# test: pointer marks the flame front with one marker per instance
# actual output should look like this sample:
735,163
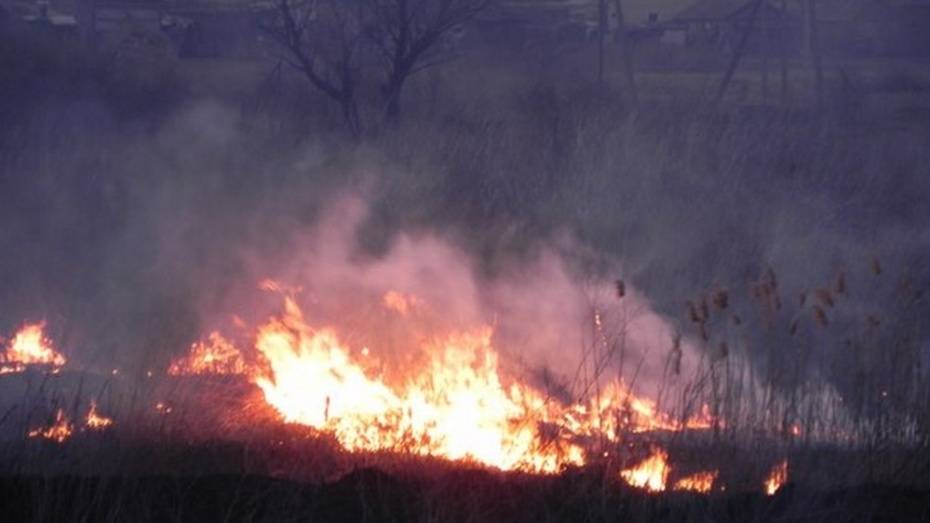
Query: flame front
699,482
456,406
58,432
30,347
651,474
776,478
450,400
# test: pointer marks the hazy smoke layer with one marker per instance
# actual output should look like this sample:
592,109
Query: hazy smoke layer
132,243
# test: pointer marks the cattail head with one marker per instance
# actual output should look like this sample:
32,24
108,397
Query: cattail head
693,312
840,284
793,328
621,288
675,356
820,316
802,299
825,297
770,278
721,299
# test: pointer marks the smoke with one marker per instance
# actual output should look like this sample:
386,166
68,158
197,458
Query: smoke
134,242
547,317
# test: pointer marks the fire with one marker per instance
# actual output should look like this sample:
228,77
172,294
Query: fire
452,400
96,421
699,482
456,406
651,474
58,432
399,302
776,478
216,355
30,347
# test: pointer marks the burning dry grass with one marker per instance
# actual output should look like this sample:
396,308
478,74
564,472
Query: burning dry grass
28,347
301,387
457,403
651,474
58,431
701,482
776,479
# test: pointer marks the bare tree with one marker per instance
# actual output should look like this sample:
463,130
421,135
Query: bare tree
339,45
406,34
322,40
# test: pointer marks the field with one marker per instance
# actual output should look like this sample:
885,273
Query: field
754,266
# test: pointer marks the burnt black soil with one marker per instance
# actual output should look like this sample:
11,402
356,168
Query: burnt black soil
371,495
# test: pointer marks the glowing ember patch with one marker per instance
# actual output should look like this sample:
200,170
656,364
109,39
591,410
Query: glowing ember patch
11,368
30,347
700,482
96,421
163,408
216,356
58,432
776,478
651,474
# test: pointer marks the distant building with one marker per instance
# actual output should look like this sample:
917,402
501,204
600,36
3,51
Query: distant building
721,23
874,27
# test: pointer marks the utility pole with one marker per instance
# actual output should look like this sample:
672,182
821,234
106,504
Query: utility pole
813,46
602,23
627,51
87,23
738,53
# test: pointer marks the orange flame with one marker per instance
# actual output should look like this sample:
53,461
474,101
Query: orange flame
456,407
58,432
453,402
776,478
30,347
214,356
699,482
399,302
96,421
651,474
